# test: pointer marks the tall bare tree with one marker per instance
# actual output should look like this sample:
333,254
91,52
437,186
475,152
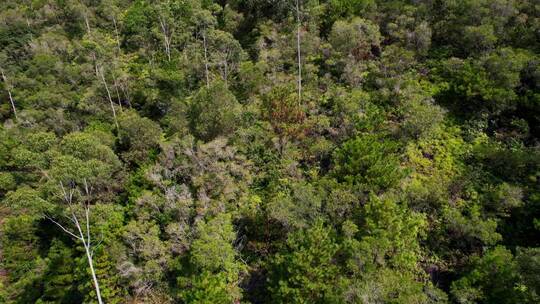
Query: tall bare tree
81,223
118,84
204,26
115,82
116,34
104,81
205,58
7,85
92,53
167,36
298,50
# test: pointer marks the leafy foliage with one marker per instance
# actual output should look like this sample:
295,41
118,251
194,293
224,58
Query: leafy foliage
269,151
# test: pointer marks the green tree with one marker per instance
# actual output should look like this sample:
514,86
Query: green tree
494,278
214,263
213,112
20,257
368,161
285,114
305,270
138,138
59,279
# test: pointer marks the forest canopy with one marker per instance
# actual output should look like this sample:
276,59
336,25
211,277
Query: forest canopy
270,151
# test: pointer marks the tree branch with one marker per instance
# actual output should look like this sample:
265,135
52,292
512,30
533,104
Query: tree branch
63,228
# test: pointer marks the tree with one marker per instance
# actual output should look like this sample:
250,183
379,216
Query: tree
269,151
100,72
59,279
205,22
138,138
494,277
369,162
528,263
20,254
382,254
202,180
8,89
225,53
358,38
214,264
390,235
304,270
213,111
110,280
298,50
284,113
82,224
356,43
296,208
147,260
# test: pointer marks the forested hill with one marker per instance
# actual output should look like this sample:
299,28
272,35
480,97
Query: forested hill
270,151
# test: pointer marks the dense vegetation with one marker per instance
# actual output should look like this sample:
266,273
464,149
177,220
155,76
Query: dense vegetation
270,151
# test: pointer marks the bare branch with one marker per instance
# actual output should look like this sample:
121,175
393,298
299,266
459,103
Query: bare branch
98,244
9,94
63,228
69,218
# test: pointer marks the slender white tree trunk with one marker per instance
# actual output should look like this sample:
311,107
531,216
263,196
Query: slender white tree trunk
110,98
84,238
226,71
29,28
87,248
87,23
94,278
92,270
125,91
88,30
116,83
205,59
117,92
116,32
12,105
166,38
298,51
9,94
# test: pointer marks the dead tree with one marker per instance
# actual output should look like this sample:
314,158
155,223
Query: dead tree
109,95
116,33
205,58
9,93
81,224
117,92
92,54
167,36
298,51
